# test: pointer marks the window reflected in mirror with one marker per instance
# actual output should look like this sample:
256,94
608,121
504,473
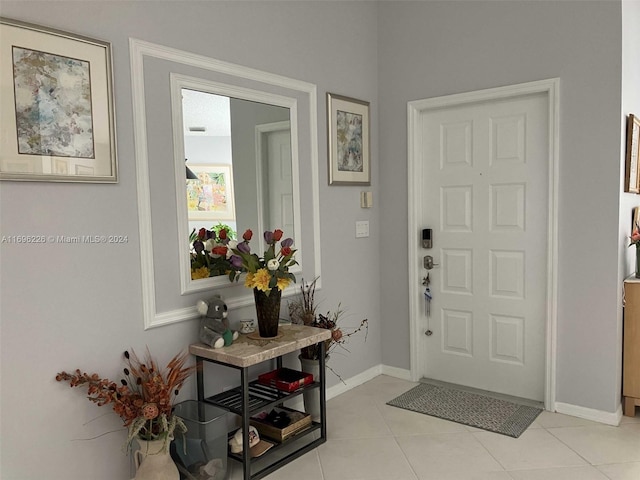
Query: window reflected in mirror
239,152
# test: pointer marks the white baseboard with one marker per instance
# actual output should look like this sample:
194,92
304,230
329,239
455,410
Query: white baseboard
341,387
353,382
600,416
356,380
608,418
396,372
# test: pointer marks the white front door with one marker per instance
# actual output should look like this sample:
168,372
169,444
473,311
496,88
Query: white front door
485,194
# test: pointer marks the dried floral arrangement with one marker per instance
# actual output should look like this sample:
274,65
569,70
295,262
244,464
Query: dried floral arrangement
144,397
303,310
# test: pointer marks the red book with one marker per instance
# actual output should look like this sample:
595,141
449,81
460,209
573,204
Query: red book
285,379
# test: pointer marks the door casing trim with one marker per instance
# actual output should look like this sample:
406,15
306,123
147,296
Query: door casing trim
549,87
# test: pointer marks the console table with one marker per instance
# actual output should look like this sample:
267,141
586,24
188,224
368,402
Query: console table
251,397
631,347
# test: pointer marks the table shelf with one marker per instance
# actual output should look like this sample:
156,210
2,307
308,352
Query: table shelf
315,426
252,397
261,397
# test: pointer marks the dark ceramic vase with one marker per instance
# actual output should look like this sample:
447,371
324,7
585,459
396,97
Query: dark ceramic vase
268,311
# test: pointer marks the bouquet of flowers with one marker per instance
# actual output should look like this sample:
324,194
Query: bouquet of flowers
211,252
266,272
143,399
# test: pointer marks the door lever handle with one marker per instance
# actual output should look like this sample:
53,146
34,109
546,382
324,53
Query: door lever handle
428,262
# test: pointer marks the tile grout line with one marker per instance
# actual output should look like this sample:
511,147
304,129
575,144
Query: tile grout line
404,454
548,430
504,468
316,450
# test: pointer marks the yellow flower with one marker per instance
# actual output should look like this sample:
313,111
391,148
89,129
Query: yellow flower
261,280
248,281
197,273
283,283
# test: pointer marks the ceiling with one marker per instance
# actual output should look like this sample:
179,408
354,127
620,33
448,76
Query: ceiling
205,110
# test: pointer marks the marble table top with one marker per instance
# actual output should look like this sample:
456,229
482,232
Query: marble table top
245,352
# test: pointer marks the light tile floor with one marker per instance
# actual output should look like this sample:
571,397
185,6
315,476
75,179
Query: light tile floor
368,439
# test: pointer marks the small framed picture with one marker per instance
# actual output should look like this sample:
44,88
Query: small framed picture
632,173
348,141
210,196
56,107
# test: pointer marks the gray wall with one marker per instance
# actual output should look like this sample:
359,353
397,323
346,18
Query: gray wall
79,306
630,104
68,306
429,49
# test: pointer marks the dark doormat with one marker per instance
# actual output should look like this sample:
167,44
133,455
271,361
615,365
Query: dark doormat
473,409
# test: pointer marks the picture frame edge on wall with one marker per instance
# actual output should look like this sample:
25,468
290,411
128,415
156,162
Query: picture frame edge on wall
632,168
348,165
96,161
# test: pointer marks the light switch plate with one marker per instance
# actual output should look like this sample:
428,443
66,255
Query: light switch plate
362,229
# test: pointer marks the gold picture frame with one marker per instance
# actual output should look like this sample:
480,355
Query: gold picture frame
348,141
57,106
632,172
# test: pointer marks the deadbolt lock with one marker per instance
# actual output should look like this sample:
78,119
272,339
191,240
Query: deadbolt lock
428,262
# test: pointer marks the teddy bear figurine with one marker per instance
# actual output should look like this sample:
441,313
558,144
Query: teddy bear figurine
214,326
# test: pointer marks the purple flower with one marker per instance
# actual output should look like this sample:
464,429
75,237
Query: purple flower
244,247
287,242
236,261
198,246
268,237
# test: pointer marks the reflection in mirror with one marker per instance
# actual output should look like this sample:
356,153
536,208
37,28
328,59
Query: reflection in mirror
240,152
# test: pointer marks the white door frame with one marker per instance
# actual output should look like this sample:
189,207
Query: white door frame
415,109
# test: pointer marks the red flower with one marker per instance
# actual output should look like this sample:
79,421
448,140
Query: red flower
286,251
219,250
247,235
277,235
222,234
202,232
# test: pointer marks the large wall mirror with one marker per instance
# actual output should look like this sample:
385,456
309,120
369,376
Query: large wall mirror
248,139
240,164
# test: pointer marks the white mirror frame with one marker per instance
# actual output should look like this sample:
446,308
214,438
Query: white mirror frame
138,49
179,82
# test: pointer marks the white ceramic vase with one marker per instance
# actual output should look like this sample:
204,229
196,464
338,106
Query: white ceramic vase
153,461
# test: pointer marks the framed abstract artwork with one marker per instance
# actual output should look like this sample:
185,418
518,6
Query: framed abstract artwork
210,196
56,106
348,135
632,172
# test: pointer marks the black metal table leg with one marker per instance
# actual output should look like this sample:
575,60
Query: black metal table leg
246,453
323,393
200,378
